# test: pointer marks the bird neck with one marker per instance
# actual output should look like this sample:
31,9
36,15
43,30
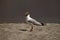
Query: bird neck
28,16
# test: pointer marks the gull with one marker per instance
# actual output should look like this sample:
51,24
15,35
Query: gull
31,20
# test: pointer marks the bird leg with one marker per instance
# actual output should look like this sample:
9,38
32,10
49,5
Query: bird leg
30,24
31,29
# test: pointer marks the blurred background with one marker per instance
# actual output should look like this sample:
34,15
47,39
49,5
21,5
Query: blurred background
41,10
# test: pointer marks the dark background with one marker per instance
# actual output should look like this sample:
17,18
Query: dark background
42,10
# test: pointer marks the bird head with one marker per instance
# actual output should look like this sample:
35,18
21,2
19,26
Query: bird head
27,13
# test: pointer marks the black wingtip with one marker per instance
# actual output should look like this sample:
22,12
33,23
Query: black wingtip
42,24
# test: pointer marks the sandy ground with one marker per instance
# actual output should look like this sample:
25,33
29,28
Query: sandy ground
13,31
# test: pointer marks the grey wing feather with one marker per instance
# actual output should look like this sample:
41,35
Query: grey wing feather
35,22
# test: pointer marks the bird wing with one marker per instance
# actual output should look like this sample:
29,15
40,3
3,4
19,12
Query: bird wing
34,21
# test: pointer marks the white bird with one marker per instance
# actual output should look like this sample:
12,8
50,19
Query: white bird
31,20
